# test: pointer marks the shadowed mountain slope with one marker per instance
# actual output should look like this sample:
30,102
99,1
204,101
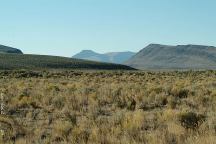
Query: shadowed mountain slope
17,61
6,49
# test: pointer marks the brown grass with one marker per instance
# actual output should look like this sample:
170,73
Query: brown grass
109,107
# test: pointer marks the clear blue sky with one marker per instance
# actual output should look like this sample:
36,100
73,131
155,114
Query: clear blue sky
65,27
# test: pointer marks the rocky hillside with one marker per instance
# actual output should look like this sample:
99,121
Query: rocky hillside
156,56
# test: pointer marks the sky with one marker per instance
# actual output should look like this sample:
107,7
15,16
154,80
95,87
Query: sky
65,27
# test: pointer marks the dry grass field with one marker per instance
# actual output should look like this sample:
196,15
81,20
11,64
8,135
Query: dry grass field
108,107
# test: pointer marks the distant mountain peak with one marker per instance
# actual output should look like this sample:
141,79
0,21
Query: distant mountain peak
154,44
111,57
88,51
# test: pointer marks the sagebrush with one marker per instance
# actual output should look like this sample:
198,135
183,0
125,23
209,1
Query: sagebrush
109,107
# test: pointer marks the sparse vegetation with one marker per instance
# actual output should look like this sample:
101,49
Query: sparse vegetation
109,107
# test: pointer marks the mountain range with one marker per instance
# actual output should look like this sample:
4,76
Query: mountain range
152,57
112,57
12,58
6,49
156,56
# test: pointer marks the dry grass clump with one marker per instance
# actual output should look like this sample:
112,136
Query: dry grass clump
191,120
108,107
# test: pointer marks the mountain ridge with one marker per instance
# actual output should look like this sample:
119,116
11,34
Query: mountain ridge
157,56
111,57
6,49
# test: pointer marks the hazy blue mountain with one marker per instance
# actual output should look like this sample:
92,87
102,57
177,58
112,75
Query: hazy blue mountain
112,57
156,56
6,49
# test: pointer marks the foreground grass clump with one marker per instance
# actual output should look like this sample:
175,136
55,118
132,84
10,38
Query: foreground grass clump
108,107
191,120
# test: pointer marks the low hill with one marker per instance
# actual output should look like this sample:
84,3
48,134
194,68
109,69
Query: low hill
156,56
6,49
17,61
112,57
